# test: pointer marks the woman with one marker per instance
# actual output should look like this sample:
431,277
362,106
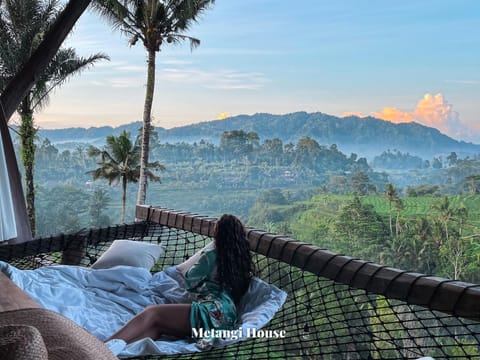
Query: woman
219,278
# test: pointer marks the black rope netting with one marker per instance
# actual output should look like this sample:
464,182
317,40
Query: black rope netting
323,318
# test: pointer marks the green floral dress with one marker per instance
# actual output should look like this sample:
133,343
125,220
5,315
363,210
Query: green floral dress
213,307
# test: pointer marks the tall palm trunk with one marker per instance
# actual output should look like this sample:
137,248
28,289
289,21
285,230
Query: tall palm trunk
390,216
124,197
397,223
147,117
27,135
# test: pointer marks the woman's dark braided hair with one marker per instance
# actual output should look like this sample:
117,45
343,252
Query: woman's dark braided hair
234,261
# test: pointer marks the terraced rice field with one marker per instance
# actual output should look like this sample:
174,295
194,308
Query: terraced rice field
412,205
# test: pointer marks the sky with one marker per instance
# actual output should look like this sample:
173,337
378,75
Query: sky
401,61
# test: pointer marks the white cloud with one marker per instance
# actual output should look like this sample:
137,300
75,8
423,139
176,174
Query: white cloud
132,68
110,64
120,82
220,79
354,113
98,83
433,111
234,51
175,62
87,44
215,80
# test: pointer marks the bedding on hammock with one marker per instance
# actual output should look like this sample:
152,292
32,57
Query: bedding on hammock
103,300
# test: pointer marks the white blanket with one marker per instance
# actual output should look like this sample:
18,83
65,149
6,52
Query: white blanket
102,301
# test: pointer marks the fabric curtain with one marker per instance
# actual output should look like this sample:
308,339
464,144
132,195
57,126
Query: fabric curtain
14,224
8,227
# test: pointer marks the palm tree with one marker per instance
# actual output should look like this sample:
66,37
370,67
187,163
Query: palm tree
391,195
154,22
99,201
24,25
399,207
472,182
120,162
422,245
446,213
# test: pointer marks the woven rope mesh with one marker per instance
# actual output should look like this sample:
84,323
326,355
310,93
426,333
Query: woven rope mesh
322,319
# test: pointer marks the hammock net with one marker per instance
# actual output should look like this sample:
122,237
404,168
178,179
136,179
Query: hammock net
337,307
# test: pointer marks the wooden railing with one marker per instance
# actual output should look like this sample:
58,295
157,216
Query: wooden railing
448,296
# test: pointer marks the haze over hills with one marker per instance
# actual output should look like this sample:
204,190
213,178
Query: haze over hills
364,136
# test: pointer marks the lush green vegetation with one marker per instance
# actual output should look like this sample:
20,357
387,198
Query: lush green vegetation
429,234
306,190
398,160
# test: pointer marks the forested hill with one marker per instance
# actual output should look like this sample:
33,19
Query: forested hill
364,136
87,135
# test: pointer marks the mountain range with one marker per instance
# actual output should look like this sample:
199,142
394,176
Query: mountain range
364,136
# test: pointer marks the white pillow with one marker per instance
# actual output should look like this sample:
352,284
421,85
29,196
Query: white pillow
131,253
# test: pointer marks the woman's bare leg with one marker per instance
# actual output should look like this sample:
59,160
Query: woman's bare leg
155,321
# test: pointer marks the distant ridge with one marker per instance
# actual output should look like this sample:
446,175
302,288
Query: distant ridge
365,136
87,135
